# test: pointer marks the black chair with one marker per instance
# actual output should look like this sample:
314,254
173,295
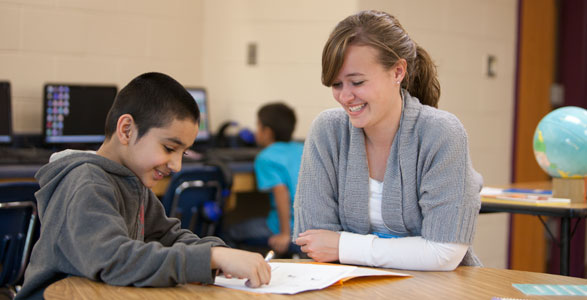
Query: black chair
196,195
19,230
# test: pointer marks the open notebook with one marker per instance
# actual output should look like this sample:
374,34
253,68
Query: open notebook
293,278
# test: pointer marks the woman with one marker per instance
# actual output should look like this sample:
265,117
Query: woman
386,181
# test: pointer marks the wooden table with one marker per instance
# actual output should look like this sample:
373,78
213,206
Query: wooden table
463,283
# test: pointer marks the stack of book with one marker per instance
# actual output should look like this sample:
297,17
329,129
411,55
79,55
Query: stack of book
522,197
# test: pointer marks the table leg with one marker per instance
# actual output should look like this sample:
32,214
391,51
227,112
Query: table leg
565,249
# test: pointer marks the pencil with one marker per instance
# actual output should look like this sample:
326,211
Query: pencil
269,255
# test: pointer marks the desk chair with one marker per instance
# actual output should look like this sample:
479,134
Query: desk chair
195,196
19,229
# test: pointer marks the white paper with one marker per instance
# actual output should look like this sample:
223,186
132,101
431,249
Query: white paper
292,278
491,191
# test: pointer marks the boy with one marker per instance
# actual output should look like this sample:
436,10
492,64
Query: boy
276,170
99,218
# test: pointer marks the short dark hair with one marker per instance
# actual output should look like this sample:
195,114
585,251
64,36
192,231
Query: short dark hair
280,118
153,100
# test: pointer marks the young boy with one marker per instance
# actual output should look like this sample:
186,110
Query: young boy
276,170
99,218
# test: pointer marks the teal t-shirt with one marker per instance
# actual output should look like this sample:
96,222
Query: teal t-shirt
277,164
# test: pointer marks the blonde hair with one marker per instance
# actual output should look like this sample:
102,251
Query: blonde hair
383,32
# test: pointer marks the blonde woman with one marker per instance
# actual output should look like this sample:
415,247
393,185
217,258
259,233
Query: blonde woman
386,180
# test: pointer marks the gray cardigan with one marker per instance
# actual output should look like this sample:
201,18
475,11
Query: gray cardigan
430,188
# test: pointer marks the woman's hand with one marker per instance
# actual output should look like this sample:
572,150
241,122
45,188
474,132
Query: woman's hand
320,245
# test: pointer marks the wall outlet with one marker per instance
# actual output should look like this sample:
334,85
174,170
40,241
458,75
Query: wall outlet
490,66
252,54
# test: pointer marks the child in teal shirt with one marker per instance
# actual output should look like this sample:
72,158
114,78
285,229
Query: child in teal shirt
276,170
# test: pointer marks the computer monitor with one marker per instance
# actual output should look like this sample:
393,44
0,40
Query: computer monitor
75,114
199,94
5,113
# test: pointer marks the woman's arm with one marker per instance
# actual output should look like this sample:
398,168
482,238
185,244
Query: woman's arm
316,203
412,253
448,193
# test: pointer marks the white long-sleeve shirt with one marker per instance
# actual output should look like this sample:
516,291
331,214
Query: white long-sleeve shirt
413,253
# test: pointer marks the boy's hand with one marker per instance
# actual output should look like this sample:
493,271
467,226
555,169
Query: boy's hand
320,245
241,264
280,242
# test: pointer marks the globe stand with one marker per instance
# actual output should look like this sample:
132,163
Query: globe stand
571,188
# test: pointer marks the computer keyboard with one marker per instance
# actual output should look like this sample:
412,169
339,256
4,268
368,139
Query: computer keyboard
24,156
233,154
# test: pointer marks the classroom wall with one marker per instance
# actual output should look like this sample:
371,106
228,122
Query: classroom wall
95,42
289,36
205,42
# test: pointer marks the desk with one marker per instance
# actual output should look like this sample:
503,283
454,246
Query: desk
566,213
463,283
12,172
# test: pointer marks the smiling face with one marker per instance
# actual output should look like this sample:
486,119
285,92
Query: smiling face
159,152
366,91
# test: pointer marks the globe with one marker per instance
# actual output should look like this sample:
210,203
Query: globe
560,142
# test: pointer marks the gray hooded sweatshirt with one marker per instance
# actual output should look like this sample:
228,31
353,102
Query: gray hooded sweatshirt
100,222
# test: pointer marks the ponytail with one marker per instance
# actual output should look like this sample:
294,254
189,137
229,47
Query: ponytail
422,79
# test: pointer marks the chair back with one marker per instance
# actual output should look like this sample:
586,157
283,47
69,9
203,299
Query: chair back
196,195
19,229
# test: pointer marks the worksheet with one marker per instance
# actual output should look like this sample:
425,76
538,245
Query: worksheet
292,278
